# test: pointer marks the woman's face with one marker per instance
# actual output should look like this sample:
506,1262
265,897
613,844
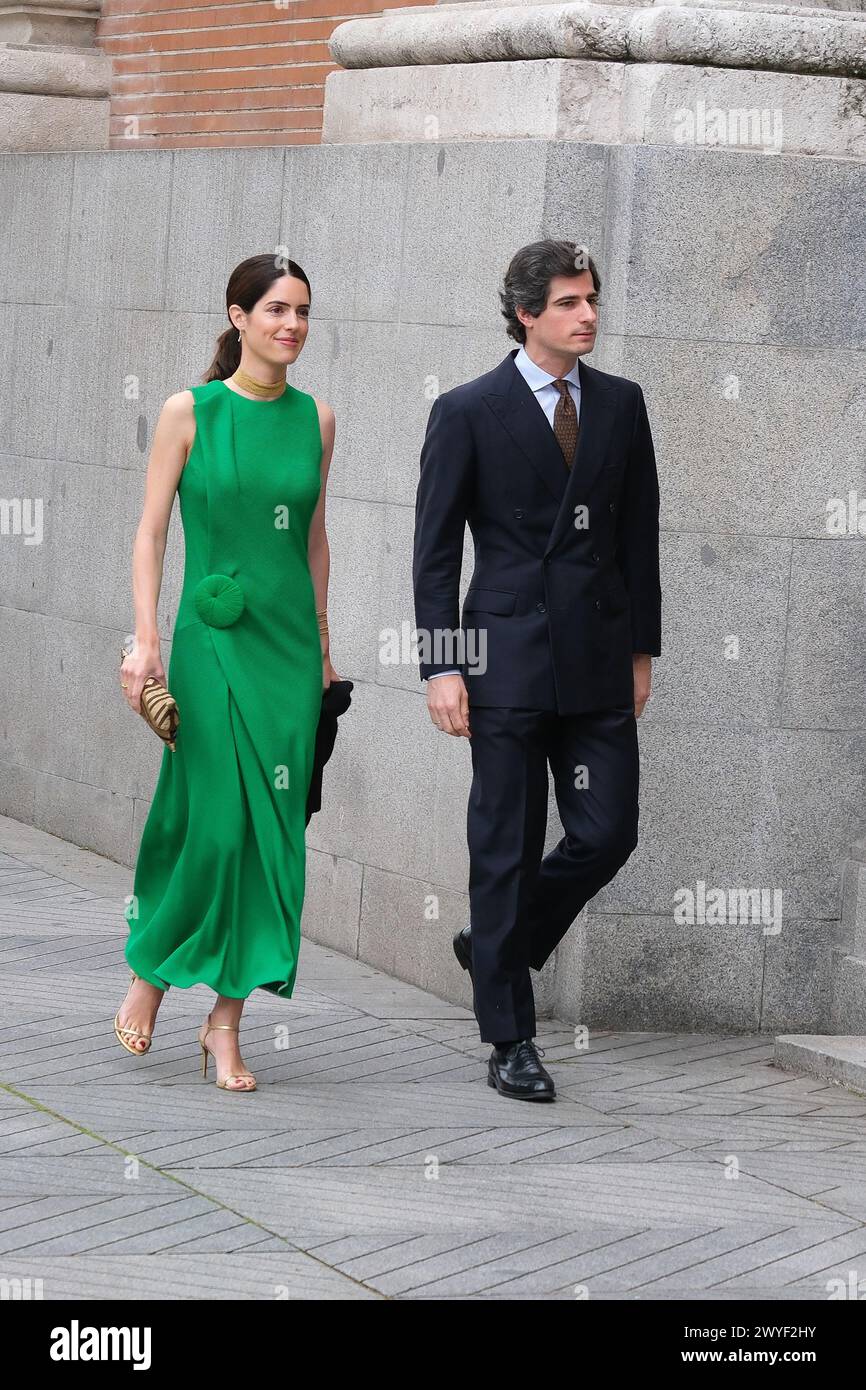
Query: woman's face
277,326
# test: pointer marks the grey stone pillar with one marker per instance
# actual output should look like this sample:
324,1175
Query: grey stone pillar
641,129
54,83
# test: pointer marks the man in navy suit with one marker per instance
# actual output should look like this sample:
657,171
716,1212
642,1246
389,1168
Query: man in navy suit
551,464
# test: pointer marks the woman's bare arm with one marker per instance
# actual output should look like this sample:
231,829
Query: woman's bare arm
318,552
172,441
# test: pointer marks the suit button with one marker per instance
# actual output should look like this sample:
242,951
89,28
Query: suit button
613,506
519,515
598,603
595,557
541,608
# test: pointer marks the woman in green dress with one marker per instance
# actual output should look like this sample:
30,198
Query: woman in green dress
219,878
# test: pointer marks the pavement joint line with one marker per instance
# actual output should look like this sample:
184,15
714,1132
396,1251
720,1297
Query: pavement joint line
12,1090
801,1250
521,1250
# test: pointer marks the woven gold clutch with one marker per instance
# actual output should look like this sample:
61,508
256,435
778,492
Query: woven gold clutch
158,708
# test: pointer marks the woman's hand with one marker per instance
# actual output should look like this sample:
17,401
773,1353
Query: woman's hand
328,673
134,670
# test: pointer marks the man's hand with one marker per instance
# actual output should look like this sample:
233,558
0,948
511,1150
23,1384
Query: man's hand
448,703
642,665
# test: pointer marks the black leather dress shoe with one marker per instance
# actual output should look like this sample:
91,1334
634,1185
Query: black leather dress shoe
517,1071
463,949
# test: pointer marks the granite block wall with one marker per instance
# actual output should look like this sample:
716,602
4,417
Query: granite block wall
732,290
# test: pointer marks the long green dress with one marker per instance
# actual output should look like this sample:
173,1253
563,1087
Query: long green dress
219,879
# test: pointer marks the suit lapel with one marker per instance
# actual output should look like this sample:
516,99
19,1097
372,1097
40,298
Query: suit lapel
515,406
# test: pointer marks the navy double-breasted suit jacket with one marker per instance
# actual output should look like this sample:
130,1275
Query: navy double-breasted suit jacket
566,579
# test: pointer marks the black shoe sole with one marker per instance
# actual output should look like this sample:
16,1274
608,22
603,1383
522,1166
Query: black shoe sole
521,1095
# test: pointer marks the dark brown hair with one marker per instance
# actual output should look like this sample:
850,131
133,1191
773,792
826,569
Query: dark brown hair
527,279
248,283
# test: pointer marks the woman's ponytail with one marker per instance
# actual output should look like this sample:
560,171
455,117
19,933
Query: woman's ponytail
227,356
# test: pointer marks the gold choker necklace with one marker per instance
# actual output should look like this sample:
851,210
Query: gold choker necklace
266,390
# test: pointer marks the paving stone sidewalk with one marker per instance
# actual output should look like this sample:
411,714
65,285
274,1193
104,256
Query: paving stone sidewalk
374,1161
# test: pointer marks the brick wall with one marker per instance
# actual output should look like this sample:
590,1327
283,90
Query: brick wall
188,74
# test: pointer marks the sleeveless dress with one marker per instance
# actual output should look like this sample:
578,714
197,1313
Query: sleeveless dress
219,877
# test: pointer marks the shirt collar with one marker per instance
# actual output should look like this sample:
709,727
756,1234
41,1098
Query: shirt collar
536,376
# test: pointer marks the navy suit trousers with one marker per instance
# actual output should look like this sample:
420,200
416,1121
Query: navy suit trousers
522,904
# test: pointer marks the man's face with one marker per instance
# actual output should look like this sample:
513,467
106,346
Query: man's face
569,321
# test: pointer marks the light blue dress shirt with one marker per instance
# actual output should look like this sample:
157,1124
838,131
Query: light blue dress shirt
541,385
541,382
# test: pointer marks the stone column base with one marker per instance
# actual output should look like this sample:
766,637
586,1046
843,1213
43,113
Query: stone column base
599,103
841,1060
53,98
29,123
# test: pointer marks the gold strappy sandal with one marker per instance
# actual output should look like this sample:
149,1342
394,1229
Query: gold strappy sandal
132,1032
235,1076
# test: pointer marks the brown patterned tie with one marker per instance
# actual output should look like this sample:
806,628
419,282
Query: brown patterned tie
565,421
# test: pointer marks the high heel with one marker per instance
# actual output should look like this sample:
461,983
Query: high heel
234,1076
136,1051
